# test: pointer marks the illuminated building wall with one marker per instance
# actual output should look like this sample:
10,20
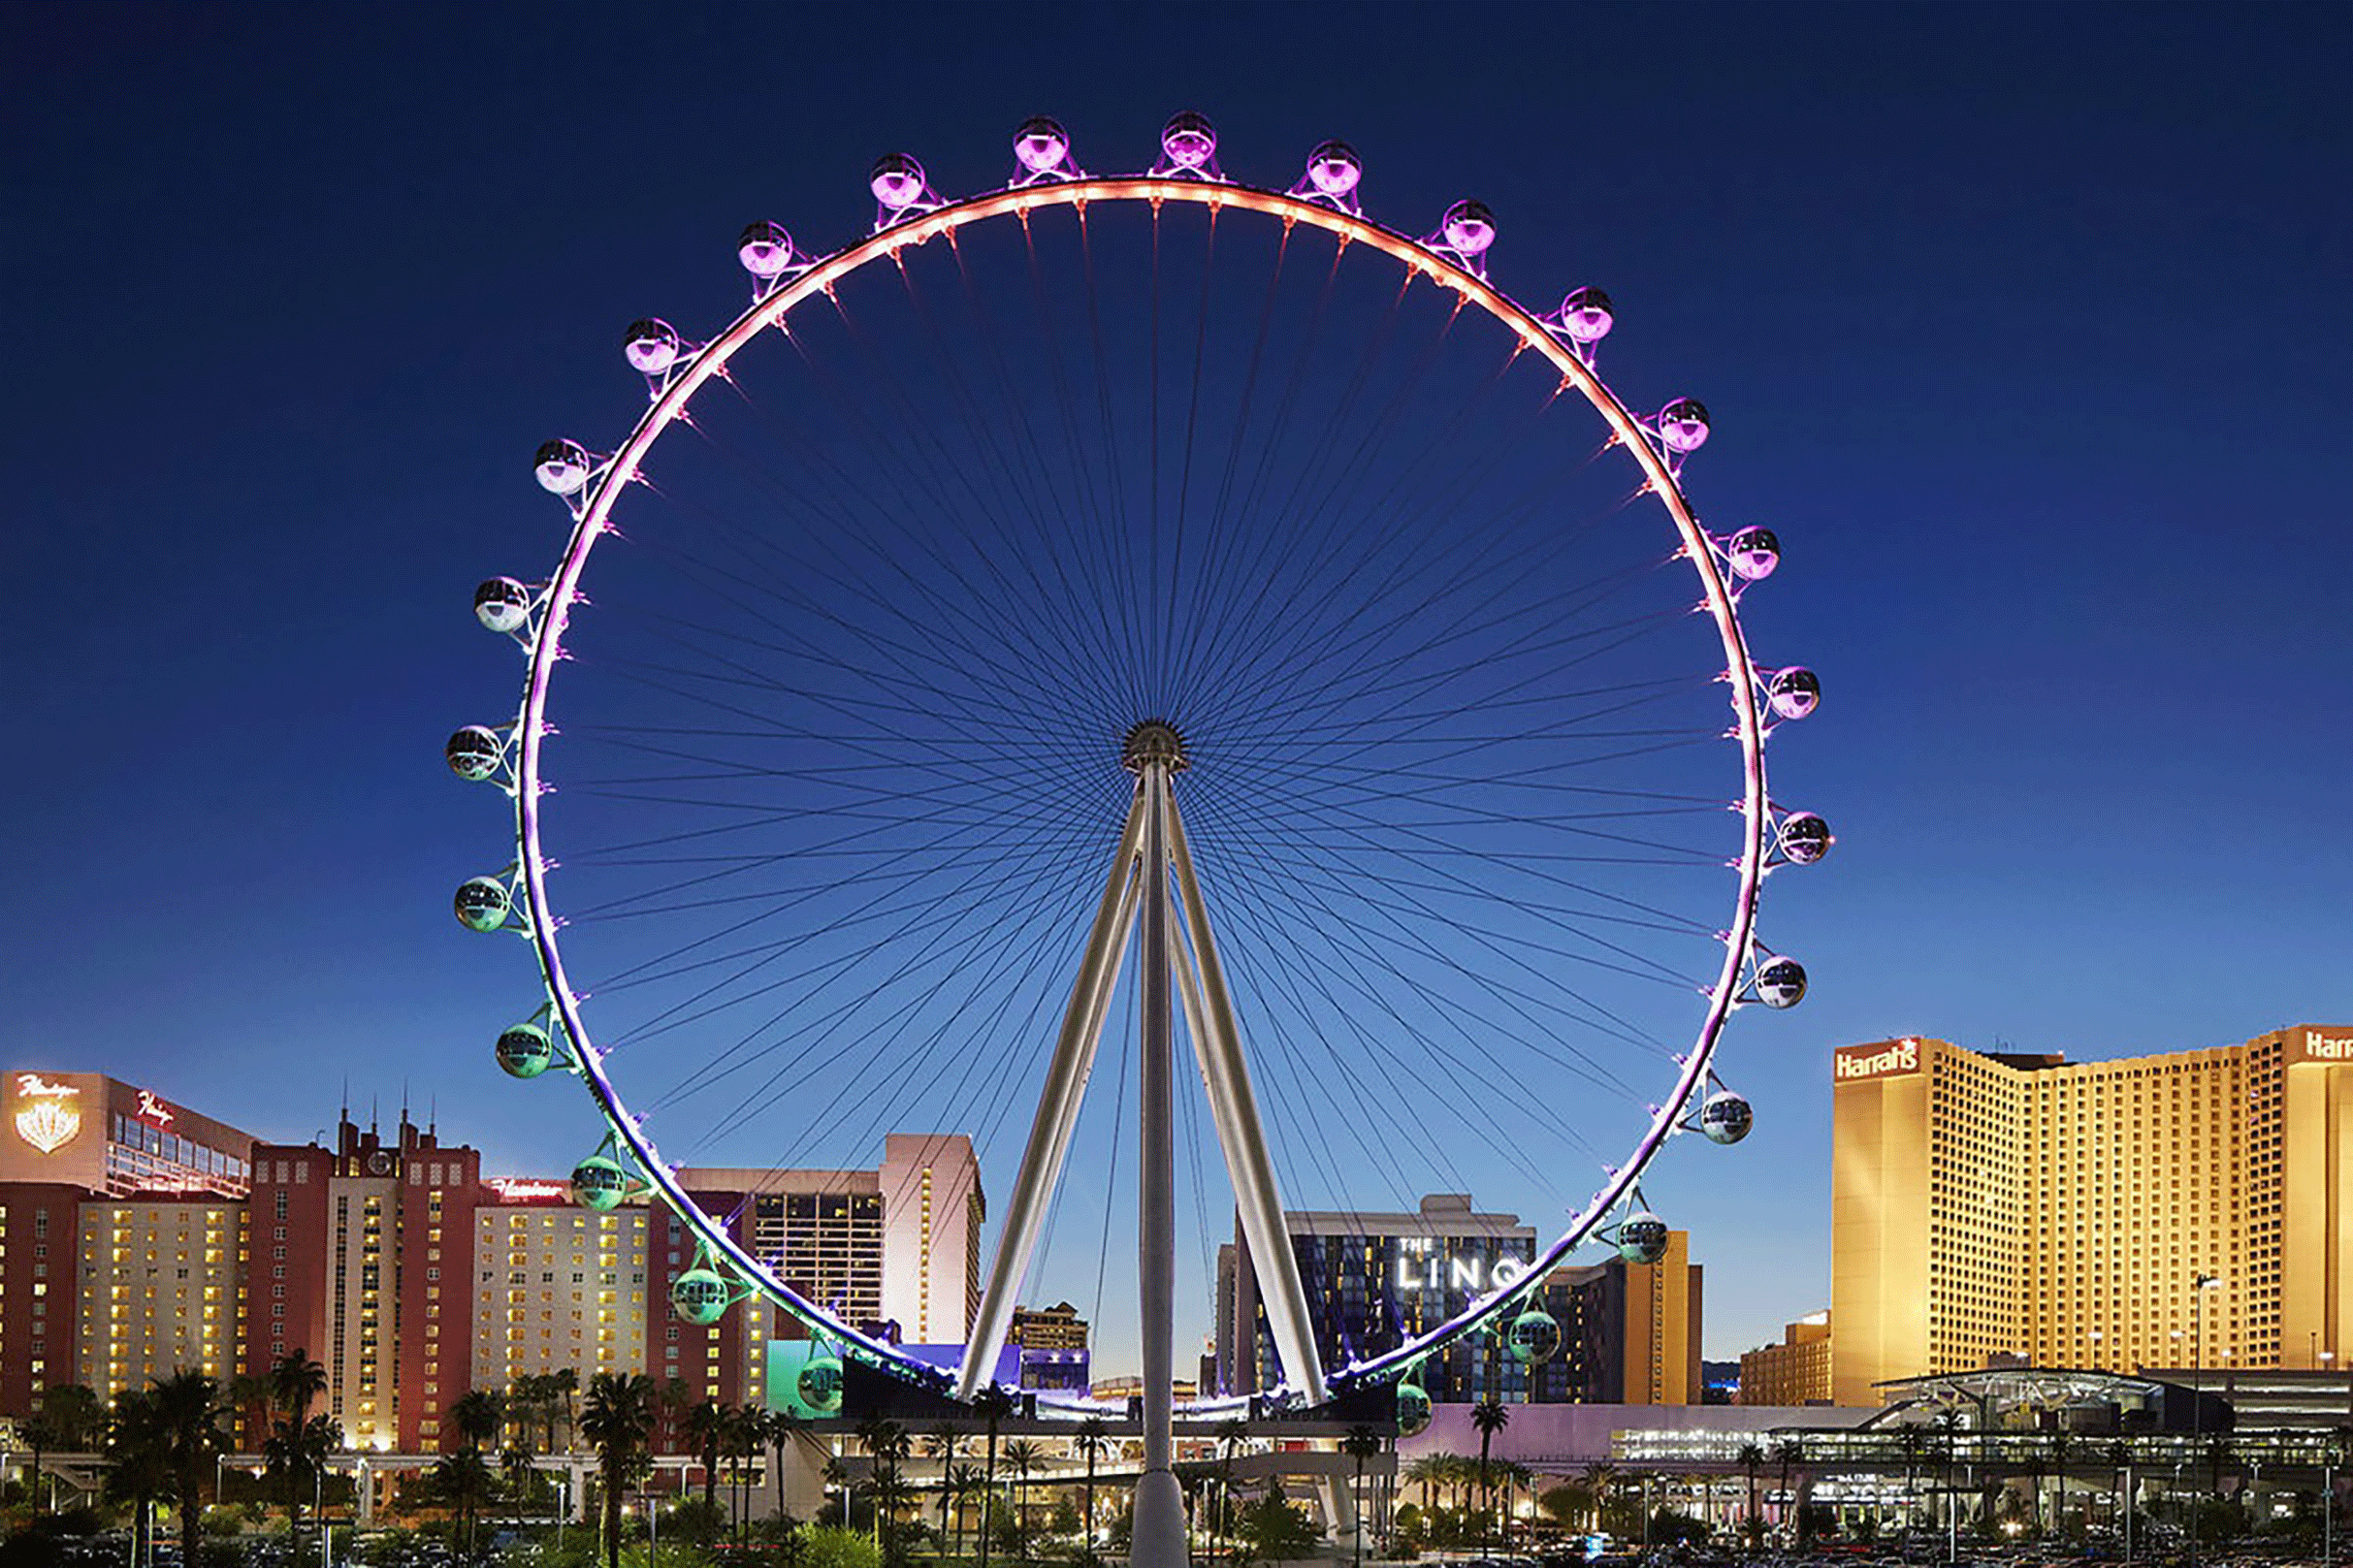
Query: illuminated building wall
162,1281
557,1286
40,1228
933,1209
1991,1204
97,1133
1629,1333
1796,1371
286,1217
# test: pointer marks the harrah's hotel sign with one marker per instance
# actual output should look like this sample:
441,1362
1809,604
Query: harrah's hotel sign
1876,1061
2327,1046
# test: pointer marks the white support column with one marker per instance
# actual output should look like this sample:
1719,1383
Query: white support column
1157,1532
1234,1106
1049,1133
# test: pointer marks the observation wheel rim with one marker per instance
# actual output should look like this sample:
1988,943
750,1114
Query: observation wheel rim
1417,258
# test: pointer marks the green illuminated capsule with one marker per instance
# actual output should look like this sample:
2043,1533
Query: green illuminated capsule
1412,1410
483,904
600,1183
525,1051
702,1295
1532,1339
820,1384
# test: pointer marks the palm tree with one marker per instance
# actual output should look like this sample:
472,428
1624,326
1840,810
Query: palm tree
780,1426
1788,1453
1489,1416
1231,1436
2119,1457
1094,1440
476,1415
294,1380
1752,1460
1600,1480
1911,1442
463,1479
69,1419
296,1454
617,1420
706,1433
747,1436
183,1421
515,1463
958,1485
994,1405
2059,1445
1025,1457
139,1464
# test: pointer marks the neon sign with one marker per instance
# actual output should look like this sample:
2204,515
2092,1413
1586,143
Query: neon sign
1419,1270
521,1190
48,1119
150,1106
2320,1047
1902,1056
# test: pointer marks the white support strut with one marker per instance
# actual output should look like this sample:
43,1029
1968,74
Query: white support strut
1058,1118
1234,1106
1157,1536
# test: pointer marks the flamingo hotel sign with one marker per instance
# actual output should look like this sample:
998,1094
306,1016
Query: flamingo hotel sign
47,1115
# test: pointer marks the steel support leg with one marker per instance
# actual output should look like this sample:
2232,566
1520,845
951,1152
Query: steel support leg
1234,1106
1049,1133
1157,1533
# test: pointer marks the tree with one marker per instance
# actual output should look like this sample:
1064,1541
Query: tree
1911,1442
1025,1457
959,1483
188,1412
296,1452
1789,1453
1752,1460
617,1418
1232,1433
294,1381
1361,1443
1489,1416
69,1419
1093,1442
780,1427
994,1405
139,1464
462,1480
475,1415
705,1431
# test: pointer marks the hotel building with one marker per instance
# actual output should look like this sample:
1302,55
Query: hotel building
2187,1209
1794,1372
1628,1333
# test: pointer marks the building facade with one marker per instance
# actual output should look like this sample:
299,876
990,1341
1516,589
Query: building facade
1796,1371
2191,1208
101,1134
1628,1333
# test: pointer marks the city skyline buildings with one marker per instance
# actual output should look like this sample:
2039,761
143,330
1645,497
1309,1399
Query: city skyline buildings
1892,376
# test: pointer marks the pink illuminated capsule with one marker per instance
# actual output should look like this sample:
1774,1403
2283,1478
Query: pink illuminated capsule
1754,554
1805,838
764,250
1585,316
1333,169
650,345
1039,145
1683,425
1188,140
561,467
1793,692
897,182
1467,227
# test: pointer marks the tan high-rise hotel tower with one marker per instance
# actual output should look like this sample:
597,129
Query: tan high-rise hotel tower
1989,1205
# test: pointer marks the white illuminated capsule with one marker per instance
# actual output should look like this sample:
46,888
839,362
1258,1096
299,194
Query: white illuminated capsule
502,604
1039,145
1587,315
1780,982
1188,140
1725,1117
525,1051
650,345
483,904
1754,554
897,182
1805,838
1467,227
764,250
474,752
1333,168
1793,692
1532,1339
1683,425
562,466
1642,1237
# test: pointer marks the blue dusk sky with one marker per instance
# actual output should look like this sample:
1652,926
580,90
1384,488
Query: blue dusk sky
2025,327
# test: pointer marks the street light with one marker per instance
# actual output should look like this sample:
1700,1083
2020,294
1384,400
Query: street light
2200,1284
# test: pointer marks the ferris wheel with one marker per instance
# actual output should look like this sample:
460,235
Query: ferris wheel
1110,608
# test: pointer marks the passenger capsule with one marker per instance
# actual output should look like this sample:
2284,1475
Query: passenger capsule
562,466
1754,554
764,250
1467,227
600,1183
1039,145
820,1384
1188,140
1793,692
1725,1117
897,182
702,1295
1805,838
1587,315
1333,168
483,904
1780,982
1683,425
474,752
1642,1237
650,345
525,1051
1412,1410
1533,1337
502,604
